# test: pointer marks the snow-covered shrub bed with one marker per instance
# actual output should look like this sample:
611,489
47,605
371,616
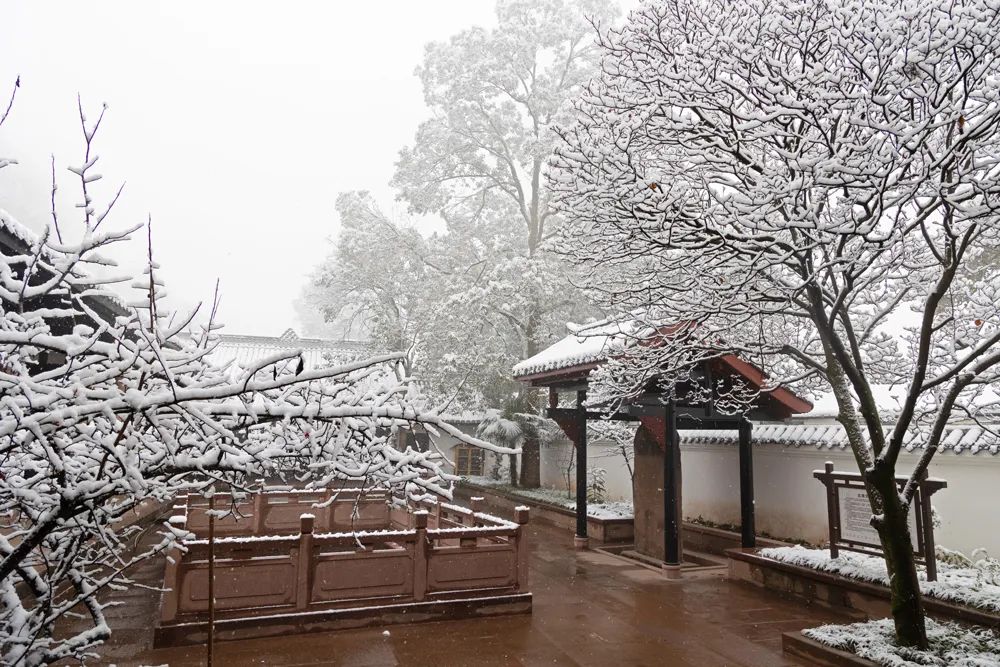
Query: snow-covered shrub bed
976,584
619,509
950,644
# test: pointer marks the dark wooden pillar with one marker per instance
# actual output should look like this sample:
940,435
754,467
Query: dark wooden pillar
748,533
581,541
671,490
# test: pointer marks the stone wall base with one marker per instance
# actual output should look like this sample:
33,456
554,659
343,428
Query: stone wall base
278,625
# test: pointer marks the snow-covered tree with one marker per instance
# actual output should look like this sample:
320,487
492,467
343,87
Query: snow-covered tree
621,438
814,186
377,276
105,405
515,425
405,291
478,164
479,160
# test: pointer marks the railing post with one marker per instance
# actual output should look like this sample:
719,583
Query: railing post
171,580
258,513
832,509
477,507
420,555
182,509
521,515
305,558
210,644
325,501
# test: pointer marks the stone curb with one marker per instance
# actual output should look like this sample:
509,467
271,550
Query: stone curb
797,644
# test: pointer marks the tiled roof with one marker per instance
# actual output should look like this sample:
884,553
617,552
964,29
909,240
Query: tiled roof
16,229
463,417
18,239
961,438
591,345
316,352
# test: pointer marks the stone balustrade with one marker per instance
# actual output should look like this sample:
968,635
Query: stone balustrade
349,551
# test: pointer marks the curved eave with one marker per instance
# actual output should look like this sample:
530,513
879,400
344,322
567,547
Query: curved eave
795,404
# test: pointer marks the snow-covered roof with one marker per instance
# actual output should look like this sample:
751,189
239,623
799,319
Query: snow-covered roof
590,346
244,350
16,229
18,238
463,417
960,438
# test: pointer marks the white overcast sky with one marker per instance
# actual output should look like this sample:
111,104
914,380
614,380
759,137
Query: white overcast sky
234,123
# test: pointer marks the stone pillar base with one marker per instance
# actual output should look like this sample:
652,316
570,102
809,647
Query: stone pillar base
671,571
581,543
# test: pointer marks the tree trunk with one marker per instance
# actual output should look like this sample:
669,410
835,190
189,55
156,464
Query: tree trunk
531,460
894,531
531,470
893,528
513,469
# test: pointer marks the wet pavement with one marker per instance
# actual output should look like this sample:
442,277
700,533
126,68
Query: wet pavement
590,608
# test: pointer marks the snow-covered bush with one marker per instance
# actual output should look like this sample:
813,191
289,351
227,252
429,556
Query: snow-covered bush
104,405
597,488
499,469
949,644
959,579
986,567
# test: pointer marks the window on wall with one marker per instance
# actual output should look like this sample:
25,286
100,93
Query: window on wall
469,461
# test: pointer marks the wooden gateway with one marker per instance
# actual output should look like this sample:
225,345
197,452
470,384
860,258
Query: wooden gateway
565,368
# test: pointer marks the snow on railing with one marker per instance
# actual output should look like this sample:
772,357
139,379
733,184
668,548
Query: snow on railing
418,554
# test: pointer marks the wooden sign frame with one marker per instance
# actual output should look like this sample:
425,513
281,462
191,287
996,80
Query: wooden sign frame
837,482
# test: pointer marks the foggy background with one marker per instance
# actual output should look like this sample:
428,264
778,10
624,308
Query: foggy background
235,124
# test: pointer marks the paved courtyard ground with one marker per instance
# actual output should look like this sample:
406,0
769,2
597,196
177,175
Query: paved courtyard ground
589,609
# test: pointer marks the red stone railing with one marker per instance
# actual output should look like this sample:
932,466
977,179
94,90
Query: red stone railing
424,551
277,512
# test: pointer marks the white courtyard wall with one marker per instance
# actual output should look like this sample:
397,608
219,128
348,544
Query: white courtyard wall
789,502
444,443
600,454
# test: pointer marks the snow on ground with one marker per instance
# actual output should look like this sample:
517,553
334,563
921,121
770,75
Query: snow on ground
950,644
615,509
976,586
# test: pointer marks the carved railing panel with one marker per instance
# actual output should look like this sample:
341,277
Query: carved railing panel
410,554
